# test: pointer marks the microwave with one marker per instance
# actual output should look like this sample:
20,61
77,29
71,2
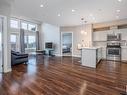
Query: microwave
113,37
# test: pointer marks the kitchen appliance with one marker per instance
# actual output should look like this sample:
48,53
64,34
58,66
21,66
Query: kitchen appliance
113,37
113,47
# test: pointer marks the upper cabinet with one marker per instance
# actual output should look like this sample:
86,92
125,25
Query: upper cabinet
101,35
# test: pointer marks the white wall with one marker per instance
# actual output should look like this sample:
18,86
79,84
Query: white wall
79,38
51,33
5,7
5,10
1,45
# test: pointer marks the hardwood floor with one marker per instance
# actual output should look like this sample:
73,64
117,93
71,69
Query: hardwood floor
64,76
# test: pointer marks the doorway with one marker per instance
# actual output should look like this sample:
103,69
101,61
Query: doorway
1,49
67,43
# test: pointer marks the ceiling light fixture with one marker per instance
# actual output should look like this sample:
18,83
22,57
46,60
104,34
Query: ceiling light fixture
41,5
120,0
73,10
82,27
91,15
117,11
59,15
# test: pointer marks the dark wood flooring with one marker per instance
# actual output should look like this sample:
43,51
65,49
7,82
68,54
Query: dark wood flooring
64,76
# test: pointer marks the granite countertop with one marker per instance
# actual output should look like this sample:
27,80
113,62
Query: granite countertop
123,46
91,47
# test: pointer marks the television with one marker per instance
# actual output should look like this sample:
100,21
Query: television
49,45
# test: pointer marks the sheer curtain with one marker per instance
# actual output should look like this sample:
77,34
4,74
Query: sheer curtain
22,42
37,41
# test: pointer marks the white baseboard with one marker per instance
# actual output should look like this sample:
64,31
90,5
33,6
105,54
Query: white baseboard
72,55
6,70
57,54
0,69
77,56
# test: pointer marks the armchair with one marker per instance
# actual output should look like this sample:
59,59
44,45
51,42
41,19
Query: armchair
17,58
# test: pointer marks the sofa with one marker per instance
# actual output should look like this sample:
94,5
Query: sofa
18,58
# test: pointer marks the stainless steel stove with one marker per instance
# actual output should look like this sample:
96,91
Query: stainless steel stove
113,47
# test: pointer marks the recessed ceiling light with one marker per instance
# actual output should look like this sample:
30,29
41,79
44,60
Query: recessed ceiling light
120,0
59,15
117,11
91,15
73,10
41,5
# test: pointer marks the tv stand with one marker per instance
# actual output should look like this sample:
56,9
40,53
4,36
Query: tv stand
51,53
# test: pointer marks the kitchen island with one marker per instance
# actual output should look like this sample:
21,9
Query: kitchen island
91,56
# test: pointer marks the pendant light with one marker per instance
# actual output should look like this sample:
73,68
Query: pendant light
83,27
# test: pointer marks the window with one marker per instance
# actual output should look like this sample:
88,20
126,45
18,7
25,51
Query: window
14,23
13,39
30,43
31,27
24,26
27,26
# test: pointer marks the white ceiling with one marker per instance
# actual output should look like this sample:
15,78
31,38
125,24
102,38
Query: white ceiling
102,10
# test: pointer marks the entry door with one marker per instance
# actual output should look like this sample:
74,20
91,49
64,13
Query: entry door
67,43
1,54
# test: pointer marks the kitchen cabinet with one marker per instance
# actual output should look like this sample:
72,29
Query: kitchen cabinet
103,52
124,53
91,56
